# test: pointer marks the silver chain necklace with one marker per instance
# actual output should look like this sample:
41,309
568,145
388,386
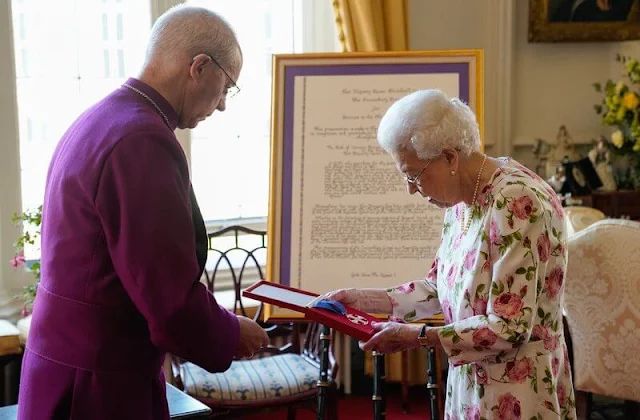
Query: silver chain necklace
145,96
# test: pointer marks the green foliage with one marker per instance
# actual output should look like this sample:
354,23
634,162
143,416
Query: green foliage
30,222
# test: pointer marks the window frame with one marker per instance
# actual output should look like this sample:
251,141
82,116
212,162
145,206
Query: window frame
318,35
11,281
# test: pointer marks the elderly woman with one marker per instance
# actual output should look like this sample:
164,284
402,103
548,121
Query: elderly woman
497,276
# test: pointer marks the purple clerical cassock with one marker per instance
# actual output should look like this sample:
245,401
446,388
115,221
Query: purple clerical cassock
123,248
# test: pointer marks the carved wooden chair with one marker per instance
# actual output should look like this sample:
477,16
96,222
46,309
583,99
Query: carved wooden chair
286,373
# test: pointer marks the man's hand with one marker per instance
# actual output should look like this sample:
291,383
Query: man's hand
252,338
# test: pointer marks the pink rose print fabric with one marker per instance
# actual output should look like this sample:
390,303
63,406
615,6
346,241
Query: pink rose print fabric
500,288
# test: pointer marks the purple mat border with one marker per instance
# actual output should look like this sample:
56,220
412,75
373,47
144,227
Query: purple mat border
291,72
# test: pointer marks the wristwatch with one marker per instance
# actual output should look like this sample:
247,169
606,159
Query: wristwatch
423,339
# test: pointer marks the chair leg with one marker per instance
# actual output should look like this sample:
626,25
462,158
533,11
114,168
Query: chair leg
433,383
323,381
332,402
583,405
405,381
631,410
291,413
379,409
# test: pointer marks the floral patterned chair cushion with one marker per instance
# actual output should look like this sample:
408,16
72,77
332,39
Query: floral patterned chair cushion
602,305
250,381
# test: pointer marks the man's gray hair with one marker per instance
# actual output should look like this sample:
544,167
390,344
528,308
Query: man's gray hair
428,122
183,32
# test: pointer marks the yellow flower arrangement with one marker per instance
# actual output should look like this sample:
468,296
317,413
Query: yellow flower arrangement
620,107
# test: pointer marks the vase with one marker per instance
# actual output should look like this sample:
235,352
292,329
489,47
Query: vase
626,172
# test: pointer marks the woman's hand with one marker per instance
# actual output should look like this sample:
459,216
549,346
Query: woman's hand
366,300
392,337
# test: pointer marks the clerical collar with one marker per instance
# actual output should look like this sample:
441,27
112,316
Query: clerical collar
156,97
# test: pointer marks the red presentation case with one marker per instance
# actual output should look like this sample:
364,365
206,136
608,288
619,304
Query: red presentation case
354,323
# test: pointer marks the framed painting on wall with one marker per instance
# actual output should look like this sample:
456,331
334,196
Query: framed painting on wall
583,20
339,213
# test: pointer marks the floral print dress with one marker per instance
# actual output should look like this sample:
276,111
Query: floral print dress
500,288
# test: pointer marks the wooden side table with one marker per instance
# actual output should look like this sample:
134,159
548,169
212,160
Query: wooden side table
10,362
618,204
615,204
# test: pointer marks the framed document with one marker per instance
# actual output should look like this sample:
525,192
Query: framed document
339,211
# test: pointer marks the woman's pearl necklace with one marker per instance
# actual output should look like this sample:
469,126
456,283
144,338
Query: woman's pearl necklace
466,224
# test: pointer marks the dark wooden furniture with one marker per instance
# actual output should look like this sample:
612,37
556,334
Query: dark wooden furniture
236,250
11,352
10,365
181,406
379,376
616,204
307,347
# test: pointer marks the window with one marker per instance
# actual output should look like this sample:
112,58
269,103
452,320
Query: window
68,55
230,150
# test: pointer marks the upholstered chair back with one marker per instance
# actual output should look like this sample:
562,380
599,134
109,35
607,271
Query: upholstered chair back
602,307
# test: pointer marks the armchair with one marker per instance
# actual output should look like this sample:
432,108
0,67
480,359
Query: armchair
602,310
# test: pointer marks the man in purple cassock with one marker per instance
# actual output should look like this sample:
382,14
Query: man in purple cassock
124,243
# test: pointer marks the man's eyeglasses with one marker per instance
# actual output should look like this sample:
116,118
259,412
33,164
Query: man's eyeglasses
232,90
414,179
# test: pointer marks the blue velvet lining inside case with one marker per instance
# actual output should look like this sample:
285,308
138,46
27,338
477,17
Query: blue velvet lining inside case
331,305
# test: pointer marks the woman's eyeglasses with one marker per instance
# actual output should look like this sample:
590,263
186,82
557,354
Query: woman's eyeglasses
414,179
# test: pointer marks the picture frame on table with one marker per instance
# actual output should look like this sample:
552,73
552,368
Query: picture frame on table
581,177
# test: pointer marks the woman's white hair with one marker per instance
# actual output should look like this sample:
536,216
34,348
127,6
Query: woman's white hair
428,122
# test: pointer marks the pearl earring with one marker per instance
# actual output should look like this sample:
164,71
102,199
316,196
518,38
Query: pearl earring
453,173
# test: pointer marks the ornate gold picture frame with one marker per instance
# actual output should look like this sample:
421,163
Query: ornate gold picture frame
583,20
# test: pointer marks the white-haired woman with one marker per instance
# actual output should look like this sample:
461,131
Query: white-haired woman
497,276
